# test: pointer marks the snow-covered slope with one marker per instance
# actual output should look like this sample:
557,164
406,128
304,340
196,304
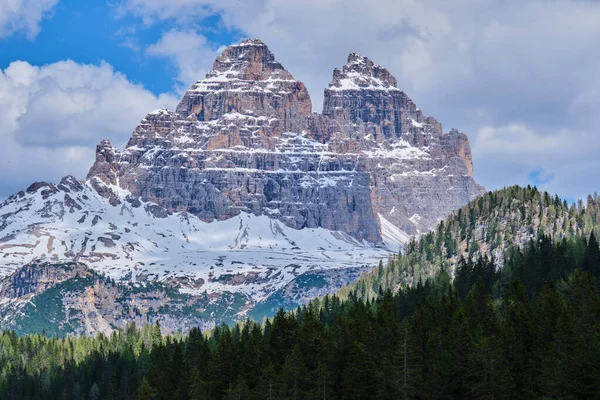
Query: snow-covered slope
393,238
136,241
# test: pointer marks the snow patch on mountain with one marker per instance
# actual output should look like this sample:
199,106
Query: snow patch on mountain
138,241
393,237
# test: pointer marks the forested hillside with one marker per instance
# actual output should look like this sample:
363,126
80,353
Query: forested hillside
527,331
491,226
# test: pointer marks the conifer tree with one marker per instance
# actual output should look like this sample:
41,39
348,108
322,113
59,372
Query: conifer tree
146,392
591,261
359,378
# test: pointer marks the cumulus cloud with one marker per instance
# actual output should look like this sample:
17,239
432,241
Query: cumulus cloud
189,52
24,16
562,161
459,55
53,116
186,12
527,70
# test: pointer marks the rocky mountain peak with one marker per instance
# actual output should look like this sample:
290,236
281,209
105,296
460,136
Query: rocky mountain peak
363,91
106,150
246,79
244,139
107,161
249,60
70,183
361,73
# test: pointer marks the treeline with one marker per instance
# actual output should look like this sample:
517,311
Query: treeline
491,225
530,330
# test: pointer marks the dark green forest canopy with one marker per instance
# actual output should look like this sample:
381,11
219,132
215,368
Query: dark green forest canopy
528,330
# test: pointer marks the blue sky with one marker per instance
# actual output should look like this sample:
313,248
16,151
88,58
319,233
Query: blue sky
520,79
93,31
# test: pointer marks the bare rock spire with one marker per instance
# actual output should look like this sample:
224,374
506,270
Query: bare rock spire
246,79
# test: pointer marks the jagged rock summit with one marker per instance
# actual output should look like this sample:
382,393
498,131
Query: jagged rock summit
242,189
247,79
244,140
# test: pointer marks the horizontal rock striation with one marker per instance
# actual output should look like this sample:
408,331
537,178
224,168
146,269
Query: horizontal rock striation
247,79
244,140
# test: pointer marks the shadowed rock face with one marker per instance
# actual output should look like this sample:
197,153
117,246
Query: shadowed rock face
244,139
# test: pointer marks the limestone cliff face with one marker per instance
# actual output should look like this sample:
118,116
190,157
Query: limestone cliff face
236,165
35,279
456,144
247,79
244,140
365,92
68,298
418,173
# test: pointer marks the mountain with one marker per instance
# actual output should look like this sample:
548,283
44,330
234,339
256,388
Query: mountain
242,198
56,234
244,140
488,229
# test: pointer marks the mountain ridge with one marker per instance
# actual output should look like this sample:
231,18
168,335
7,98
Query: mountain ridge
243,191
249,102
492,227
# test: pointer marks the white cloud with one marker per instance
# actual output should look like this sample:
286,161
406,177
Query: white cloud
189,51
469,63
53,116
566,161
153,10
23,16
452,56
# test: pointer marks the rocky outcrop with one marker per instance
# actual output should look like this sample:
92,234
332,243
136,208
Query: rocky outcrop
36,278
456,144
104,171
106,166
246,79
69,298
365,92
243,139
